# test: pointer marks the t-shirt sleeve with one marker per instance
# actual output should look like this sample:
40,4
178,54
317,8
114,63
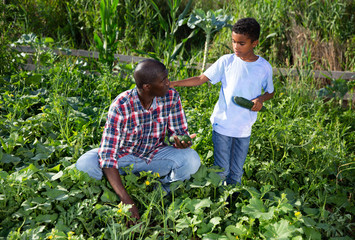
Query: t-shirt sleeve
215,72
268,84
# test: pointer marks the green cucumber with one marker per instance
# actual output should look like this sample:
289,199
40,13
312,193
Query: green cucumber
185,138
245,103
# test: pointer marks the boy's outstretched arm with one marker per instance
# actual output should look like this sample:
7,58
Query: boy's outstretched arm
190,82
258,102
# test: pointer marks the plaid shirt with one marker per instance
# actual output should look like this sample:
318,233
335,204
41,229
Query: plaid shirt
131,129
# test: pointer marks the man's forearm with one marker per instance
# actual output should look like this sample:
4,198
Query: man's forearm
114,178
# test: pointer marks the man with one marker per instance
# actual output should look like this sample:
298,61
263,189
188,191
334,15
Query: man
137,122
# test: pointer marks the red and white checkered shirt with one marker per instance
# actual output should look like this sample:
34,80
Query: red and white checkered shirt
132,129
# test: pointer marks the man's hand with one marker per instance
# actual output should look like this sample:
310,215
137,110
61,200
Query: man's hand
133,210
114,178
183,144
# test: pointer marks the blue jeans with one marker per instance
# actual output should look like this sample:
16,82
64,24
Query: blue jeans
230,153
173,163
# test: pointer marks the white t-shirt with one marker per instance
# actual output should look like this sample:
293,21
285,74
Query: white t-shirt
238,78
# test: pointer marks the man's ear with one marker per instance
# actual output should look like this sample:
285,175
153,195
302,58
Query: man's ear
146,87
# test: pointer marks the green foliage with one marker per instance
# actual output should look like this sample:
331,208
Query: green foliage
298,180
210,22
108,43
149,27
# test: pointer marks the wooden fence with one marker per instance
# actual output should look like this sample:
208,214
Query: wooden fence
129,59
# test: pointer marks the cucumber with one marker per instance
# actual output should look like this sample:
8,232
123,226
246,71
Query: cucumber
185,138
245,103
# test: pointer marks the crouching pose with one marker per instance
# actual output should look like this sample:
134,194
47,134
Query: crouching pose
137,122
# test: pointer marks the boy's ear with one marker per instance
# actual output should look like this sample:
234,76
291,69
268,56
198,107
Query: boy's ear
255,43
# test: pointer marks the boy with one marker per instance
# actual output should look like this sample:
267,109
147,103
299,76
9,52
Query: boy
242,74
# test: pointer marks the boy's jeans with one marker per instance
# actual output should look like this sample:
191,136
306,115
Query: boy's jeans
230,153
175,164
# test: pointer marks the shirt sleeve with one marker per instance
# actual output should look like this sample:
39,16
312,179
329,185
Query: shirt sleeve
177,124
268,84
108,151
215,72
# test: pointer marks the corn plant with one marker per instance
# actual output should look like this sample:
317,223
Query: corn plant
107,44
170,25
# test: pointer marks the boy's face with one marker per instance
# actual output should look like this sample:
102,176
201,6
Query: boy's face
243,47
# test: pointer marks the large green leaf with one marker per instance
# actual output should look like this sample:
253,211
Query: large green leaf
256,209
281,230
108,196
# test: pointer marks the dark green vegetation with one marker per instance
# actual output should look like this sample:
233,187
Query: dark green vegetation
299,173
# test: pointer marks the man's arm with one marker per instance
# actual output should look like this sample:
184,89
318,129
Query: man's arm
114,178
108,154
190,82
258,102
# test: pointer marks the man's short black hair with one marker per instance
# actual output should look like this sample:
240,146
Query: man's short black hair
147,71
249,27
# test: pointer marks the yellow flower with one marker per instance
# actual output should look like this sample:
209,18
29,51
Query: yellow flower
50,237
119,211
281,94
298,214
157,174
236,237
147,182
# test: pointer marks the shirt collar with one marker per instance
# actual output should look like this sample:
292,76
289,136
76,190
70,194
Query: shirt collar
137,101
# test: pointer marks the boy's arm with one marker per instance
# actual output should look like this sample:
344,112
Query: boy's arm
190,82
258,102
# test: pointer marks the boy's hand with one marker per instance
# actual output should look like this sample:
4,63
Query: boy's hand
183,144
258,104
172,84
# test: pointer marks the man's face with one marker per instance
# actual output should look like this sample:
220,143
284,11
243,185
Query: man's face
160,87
242,45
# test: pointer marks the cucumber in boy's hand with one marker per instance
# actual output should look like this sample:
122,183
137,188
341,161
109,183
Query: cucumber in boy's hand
245,103
185,138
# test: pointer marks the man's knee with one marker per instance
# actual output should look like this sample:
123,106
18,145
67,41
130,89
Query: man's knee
89,163
192,161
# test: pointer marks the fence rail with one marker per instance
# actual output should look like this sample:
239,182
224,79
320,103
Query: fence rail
129,59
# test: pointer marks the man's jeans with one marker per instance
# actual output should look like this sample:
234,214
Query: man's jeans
230,153
175,164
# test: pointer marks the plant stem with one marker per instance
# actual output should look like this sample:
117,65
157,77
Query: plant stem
208,36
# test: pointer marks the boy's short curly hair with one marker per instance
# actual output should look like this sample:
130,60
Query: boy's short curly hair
249,27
